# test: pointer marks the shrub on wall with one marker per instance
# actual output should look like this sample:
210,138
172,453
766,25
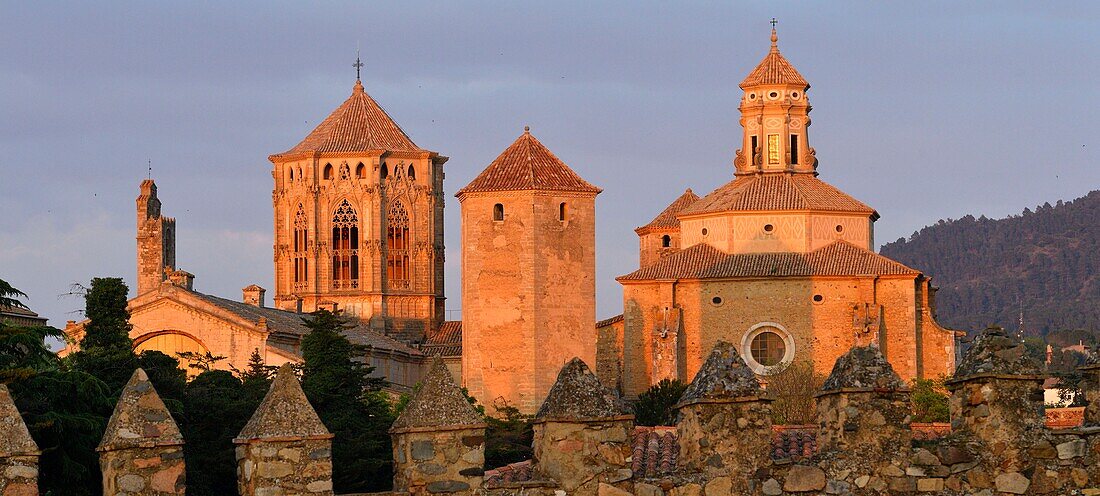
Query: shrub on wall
656,406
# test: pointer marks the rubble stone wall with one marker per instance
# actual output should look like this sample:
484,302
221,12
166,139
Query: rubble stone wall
19,476
297,466
155,471
580,455
438,461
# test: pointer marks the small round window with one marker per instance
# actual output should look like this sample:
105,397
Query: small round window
704,231
818,298
768,228
717,300
752,96
773,95
839,228
794,94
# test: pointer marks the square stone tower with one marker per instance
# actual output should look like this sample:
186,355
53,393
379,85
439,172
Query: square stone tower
359,222
528,274
156,240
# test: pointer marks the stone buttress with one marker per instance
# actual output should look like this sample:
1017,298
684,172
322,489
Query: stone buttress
18,452
142,451
582,433
725,421
439,439
284,448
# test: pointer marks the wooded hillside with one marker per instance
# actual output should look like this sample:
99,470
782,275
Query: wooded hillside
1041,267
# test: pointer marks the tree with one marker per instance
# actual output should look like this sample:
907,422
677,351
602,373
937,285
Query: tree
930,403
508,436
794,389
9,296
106,350
216,406
656,405
349,402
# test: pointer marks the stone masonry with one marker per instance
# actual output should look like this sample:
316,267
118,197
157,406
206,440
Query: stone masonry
582,433
725,420
18,452
141,453
439,439
284,448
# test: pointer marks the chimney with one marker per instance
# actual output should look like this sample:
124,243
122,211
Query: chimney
253,295
183,279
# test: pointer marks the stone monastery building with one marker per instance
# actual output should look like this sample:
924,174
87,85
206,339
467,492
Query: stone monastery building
776,260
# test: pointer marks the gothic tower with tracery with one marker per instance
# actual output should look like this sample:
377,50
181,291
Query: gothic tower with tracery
359,222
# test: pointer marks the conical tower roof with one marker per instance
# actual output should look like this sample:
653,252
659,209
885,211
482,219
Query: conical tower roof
579,395
667,218
774,69
994,352
724,376
439,402
528,165
863,367
284,413
140,419
359,124
15,439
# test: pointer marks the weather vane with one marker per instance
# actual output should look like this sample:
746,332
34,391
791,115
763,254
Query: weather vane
357,65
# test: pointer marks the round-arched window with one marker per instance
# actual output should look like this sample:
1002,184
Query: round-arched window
767,348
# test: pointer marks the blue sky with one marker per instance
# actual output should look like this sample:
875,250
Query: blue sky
923,110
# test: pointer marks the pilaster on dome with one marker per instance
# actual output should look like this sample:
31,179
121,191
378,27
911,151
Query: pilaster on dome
357,125
284,413
774,70
140,419
723,377
528,165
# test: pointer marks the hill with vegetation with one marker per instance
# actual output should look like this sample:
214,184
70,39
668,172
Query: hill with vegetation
1037,272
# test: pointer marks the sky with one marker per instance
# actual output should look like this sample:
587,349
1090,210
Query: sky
923,110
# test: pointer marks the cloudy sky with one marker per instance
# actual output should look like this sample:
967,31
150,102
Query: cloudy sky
922,110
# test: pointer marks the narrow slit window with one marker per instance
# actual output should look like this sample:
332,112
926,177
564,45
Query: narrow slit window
755,149
794,149
328,171
773,149
498,212
385,171
561,212
412,172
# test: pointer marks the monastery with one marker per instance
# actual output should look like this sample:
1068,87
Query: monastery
776,261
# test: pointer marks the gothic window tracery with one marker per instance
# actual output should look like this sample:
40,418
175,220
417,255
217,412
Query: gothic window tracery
301,242
397,247
345,247
345,172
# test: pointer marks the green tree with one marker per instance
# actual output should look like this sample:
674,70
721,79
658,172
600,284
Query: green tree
106,350
350,404
508,436
216,406
9,296
930,403
656,405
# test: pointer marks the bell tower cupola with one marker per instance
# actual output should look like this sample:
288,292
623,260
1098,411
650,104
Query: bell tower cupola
775,117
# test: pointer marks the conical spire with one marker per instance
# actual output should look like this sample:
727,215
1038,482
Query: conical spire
724,376
527,165
578,394
774,69
439,402
15,439
861,368
284,413
357,125
140,419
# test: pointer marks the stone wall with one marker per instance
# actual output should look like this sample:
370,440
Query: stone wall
18,452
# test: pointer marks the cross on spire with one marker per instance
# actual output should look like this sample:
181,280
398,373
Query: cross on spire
774,22
357,65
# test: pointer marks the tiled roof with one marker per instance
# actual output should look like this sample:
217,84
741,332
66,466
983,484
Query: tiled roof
445,341
359,124
667,218
793,441
654,451
528,165
606,322
774,69
703,261
767,192
282,321
513,472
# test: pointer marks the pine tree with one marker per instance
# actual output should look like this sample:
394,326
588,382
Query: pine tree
349,403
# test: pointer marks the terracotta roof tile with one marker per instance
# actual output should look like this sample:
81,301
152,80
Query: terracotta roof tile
667,218
445,341
703,261
774,69
767,192
794,441
528,165
654,451
609,321
359,124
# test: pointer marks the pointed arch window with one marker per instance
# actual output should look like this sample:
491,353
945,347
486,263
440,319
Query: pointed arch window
412,172
301,244
345,247
397,247
328,171
359,170
385,171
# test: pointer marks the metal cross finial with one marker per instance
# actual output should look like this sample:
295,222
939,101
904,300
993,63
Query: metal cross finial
149,174
774,22
357,65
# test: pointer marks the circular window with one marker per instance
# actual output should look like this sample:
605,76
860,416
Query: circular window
767,348
769,228
773,95
752,96
717,300
704,231
818,298
794,94
839,228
